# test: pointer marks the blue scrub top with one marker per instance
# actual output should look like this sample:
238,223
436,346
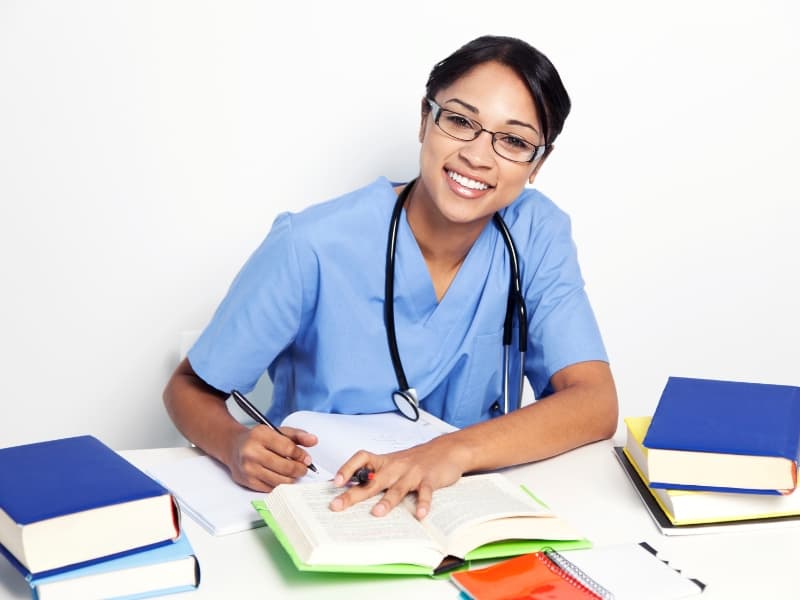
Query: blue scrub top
308,306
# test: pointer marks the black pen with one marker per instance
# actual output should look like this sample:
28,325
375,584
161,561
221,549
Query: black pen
256,415
362,476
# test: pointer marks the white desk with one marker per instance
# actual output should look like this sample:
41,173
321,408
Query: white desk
585,486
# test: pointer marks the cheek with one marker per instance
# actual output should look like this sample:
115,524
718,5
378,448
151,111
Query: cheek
428,152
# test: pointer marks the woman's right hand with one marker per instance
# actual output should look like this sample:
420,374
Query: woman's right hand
260,458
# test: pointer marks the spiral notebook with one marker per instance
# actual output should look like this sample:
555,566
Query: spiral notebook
620,572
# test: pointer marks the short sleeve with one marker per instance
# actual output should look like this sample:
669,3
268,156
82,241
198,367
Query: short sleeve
562,328
258,318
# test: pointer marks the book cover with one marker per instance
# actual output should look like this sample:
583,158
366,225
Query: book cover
618,572
725,435
168,568
685,507
52,490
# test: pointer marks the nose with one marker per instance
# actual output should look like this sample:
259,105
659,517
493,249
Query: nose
479,152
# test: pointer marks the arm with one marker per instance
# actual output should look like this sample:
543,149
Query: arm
257,458
582,409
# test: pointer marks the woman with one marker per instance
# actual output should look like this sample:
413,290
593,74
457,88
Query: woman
309,304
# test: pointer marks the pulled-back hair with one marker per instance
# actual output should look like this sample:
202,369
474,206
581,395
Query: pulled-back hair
534,68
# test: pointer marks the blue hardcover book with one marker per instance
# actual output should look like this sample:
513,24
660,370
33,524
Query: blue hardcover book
73,500
165,569
725,436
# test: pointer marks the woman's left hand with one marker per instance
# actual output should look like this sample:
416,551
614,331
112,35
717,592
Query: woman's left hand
421,469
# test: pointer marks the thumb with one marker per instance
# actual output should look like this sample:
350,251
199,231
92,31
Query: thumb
300,436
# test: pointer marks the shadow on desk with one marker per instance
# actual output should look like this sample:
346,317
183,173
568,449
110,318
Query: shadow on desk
12,584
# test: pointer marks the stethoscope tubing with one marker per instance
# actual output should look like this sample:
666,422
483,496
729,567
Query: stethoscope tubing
515,303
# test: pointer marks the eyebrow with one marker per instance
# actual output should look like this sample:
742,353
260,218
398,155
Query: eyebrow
475,111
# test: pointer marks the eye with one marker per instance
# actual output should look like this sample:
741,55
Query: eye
457,121
513,142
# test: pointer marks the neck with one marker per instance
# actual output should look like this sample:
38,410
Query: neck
444,245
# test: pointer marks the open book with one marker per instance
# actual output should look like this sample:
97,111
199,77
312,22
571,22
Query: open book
480,516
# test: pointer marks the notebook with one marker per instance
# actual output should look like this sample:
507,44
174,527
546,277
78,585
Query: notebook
618,572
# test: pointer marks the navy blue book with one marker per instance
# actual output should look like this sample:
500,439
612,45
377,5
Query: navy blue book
725,436
74,500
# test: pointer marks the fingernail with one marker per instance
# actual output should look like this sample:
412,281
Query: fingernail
421,512
307,460
338,481
379,510
336,504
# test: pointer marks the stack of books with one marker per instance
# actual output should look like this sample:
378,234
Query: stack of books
717,456
79,521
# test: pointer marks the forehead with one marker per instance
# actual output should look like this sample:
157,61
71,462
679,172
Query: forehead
496,91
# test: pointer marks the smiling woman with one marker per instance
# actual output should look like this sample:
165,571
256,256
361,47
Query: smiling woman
311,305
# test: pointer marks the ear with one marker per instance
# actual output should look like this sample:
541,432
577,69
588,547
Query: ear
425,110
539,163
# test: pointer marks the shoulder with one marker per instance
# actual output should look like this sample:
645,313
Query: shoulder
533,215
349,212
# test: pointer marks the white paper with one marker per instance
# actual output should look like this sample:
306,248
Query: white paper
632,573
341,436
206,492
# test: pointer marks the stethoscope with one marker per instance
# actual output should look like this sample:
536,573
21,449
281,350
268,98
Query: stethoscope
405,398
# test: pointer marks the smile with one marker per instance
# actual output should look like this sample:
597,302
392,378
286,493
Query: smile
466,181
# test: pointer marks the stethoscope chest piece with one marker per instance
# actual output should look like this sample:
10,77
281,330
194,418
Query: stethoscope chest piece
407,403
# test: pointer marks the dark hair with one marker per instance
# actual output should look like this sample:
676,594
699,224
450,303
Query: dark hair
534,68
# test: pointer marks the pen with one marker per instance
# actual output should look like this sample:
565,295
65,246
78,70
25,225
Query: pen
256,415
362,476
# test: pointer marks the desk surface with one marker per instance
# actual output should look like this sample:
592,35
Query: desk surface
585,486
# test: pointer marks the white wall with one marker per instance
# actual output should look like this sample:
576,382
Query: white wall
145,148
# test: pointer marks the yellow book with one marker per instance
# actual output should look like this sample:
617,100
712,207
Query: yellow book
684,507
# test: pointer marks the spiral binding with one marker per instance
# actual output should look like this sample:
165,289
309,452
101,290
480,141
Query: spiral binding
578,576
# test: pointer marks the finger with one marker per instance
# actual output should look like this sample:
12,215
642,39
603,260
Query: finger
362,458
393,496
300,436
267,449
283,447
354,495
424,497
261,479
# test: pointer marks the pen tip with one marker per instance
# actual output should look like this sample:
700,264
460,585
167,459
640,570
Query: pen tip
313,468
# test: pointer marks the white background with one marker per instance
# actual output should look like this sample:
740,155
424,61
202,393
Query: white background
145,148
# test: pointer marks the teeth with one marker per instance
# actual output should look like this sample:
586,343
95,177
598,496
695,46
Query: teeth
466,181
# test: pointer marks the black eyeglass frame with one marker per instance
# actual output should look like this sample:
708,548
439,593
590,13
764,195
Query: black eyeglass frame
436,110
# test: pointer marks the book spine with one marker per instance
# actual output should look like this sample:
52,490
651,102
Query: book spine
577,576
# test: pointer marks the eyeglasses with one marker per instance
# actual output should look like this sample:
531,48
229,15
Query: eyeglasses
509,146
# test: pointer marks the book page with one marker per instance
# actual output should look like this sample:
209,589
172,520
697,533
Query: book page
352,536
341,436
476,498
480,509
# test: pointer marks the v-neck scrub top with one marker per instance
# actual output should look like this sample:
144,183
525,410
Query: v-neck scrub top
308,307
